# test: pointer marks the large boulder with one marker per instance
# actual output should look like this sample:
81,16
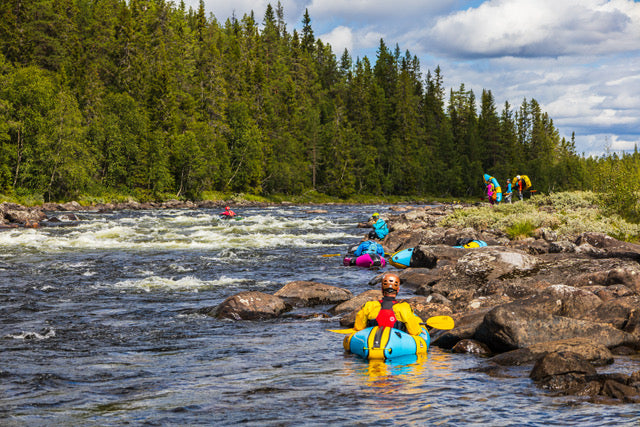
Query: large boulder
356,303
424,308
568,373
596,354
428,256
418,278
307,294
18,214
492,263
617,312
250,305
559,363
509,327
627,276
466,325
576,303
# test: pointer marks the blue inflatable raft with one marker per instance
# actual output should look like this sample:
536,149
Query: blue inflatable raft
377,343
473,244
401,259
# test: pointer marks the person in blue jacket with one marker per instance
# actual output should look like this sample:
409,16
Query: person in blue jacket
369,247
380,229
507,194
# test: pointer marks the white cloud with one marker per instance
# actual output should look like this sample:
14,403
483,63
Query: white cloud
340,38
539,28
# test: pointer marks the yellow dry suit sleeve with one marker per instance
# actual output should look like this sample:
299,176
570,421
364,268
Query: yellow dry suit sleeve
369,311
404,313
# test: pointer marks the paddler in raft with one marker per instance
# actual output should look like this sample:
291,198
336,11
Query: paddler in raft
387,311
228,212
380,229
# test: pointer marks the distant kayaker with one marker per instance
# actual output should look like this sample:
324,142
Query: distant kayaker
228,212
380,229
387,311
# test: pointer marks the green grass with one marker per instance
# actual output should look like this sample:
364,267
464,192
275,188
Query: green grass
521,230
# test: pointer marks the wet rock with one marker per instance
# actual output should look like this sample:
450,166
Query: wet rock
510,326
466,325
250,305
471,347
561,363
596,354
305,294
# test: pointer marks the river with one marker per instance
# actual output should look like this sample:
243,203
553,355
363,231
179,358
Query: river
99,326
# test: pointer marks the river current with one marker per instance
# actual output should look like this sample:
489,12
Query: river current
99,326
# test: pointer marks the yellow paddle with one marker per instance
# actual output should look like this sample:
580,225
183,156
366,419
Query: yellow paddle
440,322
342,331
437,322
328,255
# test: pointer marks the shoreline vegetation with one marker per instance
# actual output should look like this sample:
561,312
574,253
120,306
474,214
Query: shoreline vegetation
564,213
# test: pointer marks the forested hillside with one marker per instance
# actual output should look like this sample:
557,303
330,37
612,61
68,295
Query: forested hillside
148,98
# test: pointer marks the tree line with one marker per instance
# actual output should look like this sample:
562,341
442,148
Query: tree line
145,97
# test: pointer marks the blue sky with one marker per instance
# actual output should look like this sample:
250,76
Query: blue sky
580,59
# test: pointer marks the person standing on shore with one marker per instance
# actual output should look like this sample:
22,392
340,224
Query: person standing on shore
519,186
507,195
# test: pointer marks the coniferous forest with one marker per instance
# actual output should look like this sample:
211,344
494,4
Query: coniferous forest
145,97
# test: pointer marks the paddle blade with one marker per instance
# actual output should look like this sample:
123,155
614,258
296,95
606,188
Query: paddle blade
327,255
440,322
342,331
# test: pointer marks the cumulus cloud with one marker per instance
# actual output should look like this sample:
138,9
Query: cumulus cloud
340,38
536,28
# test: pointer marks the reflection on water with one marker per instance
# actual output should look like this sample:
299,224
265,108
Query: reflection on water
100,326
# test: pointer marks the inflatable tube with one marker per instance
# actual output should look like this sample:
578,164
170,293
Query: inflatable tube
365,260
402,259
525,178
488,178
473,244
377,343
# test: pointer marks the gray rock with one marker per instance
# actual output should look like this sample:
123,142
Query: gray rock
251,305
306,294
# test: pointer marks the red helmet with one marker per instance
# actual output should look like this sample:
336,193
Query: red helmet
226,208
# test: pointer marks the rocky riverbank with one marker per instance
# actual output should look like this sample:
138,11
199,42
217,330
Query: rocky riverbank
563,305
